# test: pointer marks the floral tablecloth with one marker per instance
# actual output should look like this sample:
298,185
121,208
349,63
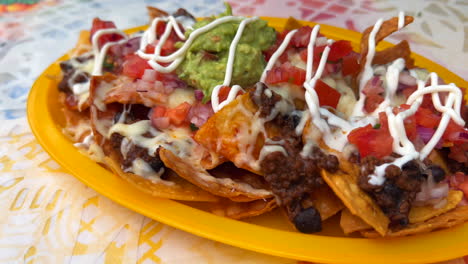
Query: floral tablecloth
47,216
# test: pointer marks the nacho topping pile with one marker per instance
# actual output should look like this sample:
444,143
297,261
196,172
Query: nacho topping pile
245,118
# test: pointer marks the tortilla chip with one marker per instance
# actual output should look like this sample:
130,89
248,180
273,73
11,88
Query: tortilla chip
173,188
387,28
221,133
326,202
401,50
154,12
83,44
351,223
77,124
292,24
422,213
238,210
345,185
454,217
224,187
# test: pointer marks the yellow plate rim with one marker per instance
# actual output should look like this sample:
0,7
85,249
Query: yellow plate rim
442,245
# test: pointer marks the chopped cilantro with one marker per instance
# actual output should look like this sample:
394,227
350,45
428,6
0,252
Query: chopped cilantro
377,126
193,127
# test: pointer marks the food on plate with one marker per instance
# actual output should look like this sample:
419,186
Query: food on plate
243,117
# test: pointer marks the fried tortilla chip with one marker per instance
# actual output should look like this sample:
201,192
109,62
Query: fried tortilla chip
401,50
224,187
173,187
239,210
292,24
454,217
77,124
154,12
231,128
102,118
345,185
386,29
83,44
422,213
326,202
351,223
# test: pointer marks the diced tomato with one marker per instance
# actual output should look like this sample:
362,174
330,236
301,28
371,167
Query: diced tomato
409,91
269,52
162,117
327,96
169,46
285,73
178,115
426,118
339,49
160,28
350,65
224,93
451,129
374,94
134,66
301,38
99,24
149,48
159,111
459,152
464,188
317,55
372,102
373,142
409,122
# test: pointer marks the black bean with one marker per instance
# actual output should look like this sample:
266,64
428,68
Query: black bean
438,174
308,221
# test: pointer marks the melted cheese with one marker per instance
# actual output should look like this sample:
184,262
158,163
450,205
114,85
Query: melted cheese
179,96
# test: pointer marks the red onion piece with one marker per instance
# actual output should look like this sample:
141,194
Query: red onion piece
425,133
373,86
407,79
198,95
199,113
149,75
160,122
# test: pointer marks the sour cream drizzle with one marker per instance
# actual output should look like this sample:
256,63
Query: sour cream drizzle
368,72
177,57
401,20
277,54
100,55
229,68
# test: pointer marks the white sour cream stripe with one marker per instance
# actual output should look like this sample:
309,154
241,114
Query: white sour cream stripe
229,68
368,72
401,20
177,57
401,144
100,55
277,54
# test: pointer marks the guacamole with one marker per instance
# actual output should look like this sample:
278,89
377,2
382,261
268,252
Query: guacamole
204,65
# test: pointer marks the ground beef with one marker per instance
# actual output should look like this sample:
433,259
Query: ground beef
399,190
293,178
136,113
69,72
135,152
453,165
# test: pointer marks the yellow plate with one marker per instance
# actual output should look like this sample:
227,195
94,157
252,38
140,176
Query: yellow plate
268,234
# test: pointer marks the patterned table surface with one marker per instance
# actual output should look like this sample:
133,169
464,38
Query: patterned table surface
47,216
